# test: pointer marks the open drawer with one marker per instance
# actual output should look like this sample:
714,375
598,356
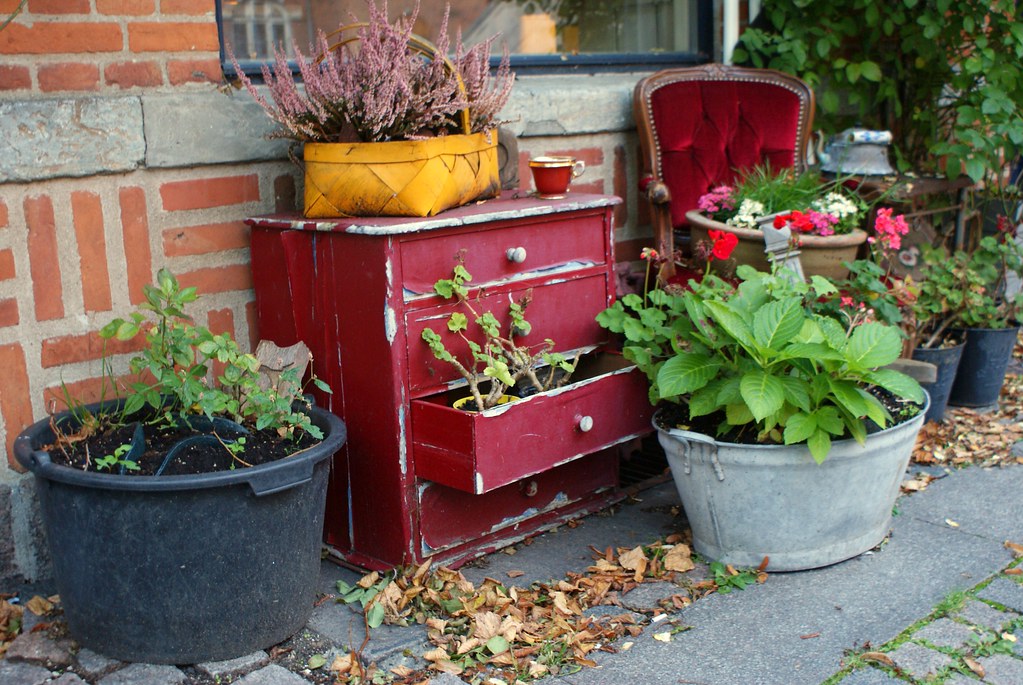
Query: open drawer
478,452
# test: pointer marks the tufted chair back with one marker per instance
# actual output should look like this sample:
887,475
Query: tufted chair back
700,126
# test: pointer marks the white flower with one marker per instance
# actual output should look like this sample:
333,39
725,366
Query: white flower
837,204
747,214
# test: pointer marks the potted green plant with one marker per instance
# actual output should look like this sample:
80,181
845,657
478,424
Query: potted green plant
191,566
387,132
496,361
787,437
824,217
987,313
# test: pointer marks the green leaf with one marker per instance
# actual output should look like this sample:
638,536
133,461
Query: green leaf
738,414
819,444
316,661
705,400
799,428
797,392
730,321
872,345
848,397
636,331
871,71
457,322
375,616
778,322
686,372
497,645
897,383
828,419
763,393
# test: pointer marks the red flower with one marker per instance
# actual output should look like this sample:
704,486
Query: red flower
724,243
797,220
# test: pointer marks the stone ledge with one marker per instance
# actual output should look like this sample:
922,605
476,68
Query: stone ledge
70,137
73,137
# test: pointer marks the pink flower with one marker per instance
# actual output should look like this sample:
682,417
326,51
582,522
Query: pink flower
847,301
889,231
718,199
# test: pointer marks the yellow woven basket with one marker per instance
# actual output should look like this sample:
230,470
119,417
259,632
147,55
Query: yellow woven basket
401,178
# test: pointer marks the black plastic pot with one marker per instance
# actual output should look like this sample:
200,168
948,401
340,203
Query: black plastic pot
946,359
983,366
185,569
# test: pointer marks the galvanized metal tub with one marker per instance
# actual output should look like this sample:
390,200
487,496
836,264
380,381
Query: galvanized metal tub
747,502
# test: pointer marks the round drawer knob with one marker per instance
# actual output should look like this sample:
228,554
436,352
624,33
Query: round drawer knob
585,423
530,488
516,254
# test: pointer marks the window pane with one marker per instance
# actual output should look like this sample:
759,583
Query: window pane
528,27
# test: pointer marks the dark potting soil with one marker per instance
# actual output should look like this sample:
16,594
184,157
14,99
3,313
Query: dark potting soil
260,447
677,416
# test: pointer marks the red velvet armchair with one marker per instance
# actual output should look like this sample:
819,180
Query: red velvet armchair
699,126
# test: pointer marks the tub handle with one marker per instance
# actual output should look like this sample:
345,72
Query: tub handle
707,443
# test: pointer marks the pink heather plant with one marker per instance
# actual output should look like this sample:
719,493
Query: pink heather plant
378,89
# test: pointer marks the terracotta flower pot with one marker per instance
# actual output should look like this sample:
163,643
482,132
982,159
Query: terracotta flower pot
820,255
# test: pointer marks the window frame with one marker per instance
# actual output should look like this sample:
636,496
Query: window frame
525,64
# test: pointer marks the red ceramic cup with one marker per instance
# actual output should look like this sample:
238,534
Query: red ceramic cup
551,175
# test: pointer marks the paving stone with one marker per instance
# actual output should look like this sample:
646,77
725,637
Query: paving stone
919,661
945,633
273,675
234,667
145,674
960,679
1017,646
37,648
648,596
869,676
1017,449
345,627
1006,592
68,678
23,674
446,679
94,665
1002,669
981,614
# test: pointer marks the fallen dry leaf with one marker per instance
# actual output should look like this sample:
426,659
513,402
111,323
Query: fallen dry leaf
974,666
515,574
1016,548
39,606
663,637
679,558
878,658
635,560
1014,571
809,636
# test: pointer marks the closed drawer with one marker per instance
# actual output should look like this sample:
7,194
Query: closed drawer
555,242
450,517
480,452
562,310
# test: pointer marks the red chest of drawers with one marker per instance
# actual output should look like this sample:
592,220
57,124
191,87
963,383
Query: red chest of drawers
416,478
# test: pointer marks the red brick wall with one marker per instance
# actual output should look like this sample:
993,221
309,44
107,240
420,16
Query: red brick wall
64,46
